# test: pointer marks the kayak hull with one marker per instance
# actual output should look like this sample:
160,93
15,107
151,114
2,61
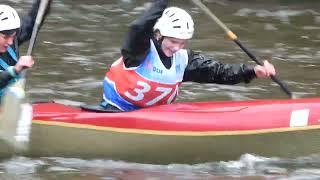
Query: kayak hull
163,149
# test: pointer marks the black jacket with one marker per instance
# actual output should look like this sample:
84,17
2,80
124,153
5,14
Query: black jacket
5,77
199,69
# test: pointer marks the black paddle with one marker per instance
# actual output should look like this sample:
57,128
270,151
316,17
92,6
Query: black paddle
16,114
233,37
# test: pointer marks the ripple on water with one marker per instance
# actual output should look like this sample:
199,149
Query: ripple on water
282,15
270,27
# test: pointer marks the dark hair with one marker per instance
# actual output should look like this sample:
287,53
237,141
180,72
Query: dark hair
9,32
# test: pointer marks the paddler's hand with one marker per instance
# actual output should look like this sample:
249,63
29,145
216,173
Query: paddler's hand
264,71
24,62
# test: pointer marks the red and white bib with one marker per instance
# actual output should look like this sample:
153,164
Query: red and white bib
149,84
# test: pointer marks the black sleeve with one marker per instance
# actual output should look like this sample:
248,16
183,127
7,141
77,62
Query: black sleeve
5,77
28,21
203,70
137,42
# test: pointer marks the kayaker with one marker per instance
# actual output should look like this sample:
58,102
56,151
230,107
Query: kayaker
153,62
13,33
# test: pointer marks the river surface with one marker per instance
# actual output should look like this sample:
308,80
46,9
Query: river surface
81,39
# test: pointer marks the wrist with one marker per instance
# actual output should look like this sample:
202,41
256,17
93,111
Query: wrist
17,69
253,71
12,71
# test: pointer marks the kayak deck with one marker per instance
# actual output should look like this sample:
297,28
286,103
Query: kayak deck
195,117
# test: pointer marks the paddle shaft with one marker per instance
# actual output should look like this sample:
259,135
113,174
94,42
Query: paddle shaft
42,8
233,37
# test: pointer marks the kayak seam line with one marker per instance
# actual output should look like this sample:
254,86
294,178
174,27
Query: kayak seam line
176,133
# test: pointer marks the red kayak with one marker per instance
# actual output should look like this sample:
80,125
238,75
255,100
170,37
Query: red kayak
179,133
185,132
192,118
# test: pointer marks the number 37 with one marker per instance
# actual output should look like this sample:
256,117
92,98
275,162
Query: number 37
145,87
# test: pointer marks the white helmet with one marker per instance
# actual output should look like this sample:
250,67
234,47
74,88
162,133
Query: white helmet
175,22
9,18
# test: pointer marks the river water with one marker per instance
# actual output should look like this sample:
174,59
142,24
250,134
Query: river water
80,40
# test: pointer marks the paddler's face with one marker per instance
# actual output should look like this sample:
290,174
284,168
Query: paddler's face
171,45
6,41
